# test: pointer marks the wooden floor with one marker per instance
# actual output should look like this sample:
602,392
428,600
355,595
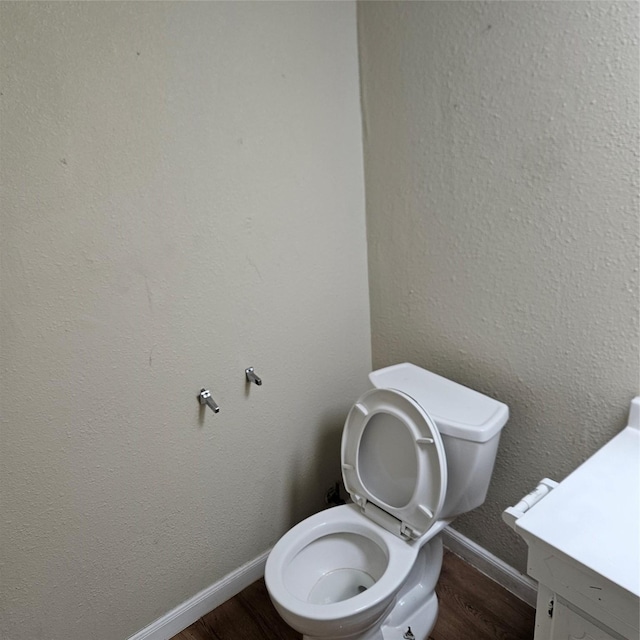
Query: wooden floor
472,607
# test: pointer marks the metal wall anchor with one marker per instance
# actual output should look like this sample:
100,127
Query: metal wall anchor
252,377
205,398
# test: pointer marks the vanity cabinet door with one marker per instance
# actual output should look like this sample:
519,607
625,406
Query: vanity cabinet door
569,625
556,621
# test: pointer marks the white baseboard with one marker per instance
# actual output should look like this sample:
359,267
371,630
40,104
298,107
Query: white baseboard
519,585
207,600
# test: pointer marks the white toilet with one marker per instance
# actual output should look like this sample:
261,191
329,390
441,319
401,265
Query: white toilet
417,450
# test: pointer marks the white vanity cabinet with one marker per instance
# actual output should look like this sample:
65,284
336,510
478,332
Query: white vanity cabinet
583,537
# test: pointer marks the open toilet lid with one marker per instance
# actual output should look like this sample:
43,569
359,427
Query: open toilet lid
393,458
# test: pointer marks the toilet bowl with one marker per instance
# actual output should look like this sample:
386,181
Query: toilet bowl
367,570
334,574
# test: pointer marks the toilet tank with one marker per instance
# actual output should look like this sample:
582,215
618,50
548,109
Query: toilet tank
469,424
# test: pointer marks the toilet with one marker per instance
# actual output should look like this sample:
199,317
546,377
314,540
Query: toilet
417,451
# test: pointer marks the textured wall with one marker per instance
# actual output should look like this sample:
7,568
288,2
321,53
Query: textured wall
184,198
501,164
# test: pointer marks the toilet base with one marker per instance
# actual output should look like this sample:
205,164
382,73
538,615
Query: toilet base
406,615
418,624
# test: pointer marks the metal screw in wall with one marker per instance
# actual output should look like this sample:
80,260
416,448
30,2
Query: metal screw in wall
252,377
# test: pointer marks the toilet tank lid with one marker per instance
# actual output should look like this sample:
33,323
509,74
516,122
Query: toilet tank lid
458,411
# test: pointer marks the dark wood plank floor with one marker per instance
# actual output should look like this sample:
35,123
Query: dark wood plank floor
472,607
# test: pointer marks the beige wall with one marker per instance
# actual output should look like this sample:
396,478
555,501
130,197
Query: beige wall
501,170
184,198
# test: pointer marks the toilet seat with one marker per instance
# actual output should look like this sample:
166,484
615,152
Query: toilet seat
393,462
